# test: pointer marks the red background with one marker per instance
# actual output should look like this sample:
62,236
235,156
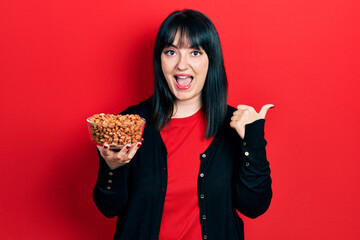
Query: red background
62,61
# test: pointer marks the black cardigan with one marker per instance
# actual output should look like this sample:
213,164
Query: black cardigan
234,174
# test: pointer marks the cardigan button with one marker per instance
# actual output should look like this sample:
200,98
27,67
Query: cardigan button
202,174
244,144
203,155
246,153
203,217
247,164
111,173
108,188
205,237
202,196
110,181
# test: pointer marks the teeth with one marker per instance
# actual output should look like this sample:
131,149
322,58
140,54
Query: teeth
182,77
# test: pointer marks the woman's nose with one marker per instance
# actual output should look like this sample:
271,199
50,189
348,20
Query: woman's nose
183,62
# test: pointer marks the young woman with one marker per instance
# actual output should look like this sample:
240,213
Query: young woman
201,159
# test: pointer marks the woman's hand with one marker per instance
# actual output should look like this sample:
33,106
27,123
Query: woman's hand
118,159
245,115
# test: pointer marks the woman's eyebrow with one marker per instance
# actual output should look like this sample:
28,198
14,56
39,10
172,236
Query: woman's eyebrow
172,45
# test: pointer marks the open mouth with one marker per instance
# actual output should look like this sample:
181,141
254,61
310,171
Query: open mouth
183,82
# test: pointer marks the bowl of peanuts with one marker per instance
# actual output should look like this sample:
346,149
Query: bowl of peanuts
115,130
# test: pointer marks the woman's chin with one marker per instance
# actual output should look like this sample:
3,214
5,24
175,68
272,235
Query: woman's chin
187,96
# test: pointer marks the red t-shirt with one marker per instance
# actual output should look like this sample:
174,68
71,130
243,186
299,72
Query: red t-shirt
185,141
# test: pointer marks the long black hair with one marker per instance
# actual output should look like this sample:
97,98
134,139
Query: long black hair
199,31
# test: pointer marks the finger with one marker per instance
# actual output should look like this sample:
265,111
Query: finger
104,150
123,152
235,118
264,110
133,150
127,161
233,125
239,112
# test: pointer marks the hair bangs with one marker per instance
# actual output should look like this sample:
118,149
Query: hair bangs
189,35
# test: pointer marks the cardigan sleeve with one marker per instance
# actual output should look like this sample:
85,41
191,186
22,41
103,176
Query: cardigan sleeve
110,193
253,182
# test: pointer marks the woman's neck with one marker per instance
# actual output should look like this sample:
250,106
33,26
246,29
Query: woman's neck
184,109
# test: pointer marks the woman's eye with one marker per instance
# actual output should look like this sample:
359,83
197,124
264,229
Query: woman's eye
169,52
196,53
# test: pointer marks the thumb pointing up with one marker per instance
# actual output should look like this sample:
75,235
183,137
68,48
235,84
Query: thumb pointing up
264,110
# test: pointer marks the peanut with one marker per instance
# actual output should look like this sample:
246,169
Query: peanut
116,130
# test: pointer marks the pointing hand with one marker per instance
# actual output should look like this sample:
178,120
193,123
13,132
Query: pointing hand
245,115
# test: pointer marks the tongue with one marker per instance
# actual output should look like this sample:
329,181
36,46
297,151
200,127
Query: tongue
184,81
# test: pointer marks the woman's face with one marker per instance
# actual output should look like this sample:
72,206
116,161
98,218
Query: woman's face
185,69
